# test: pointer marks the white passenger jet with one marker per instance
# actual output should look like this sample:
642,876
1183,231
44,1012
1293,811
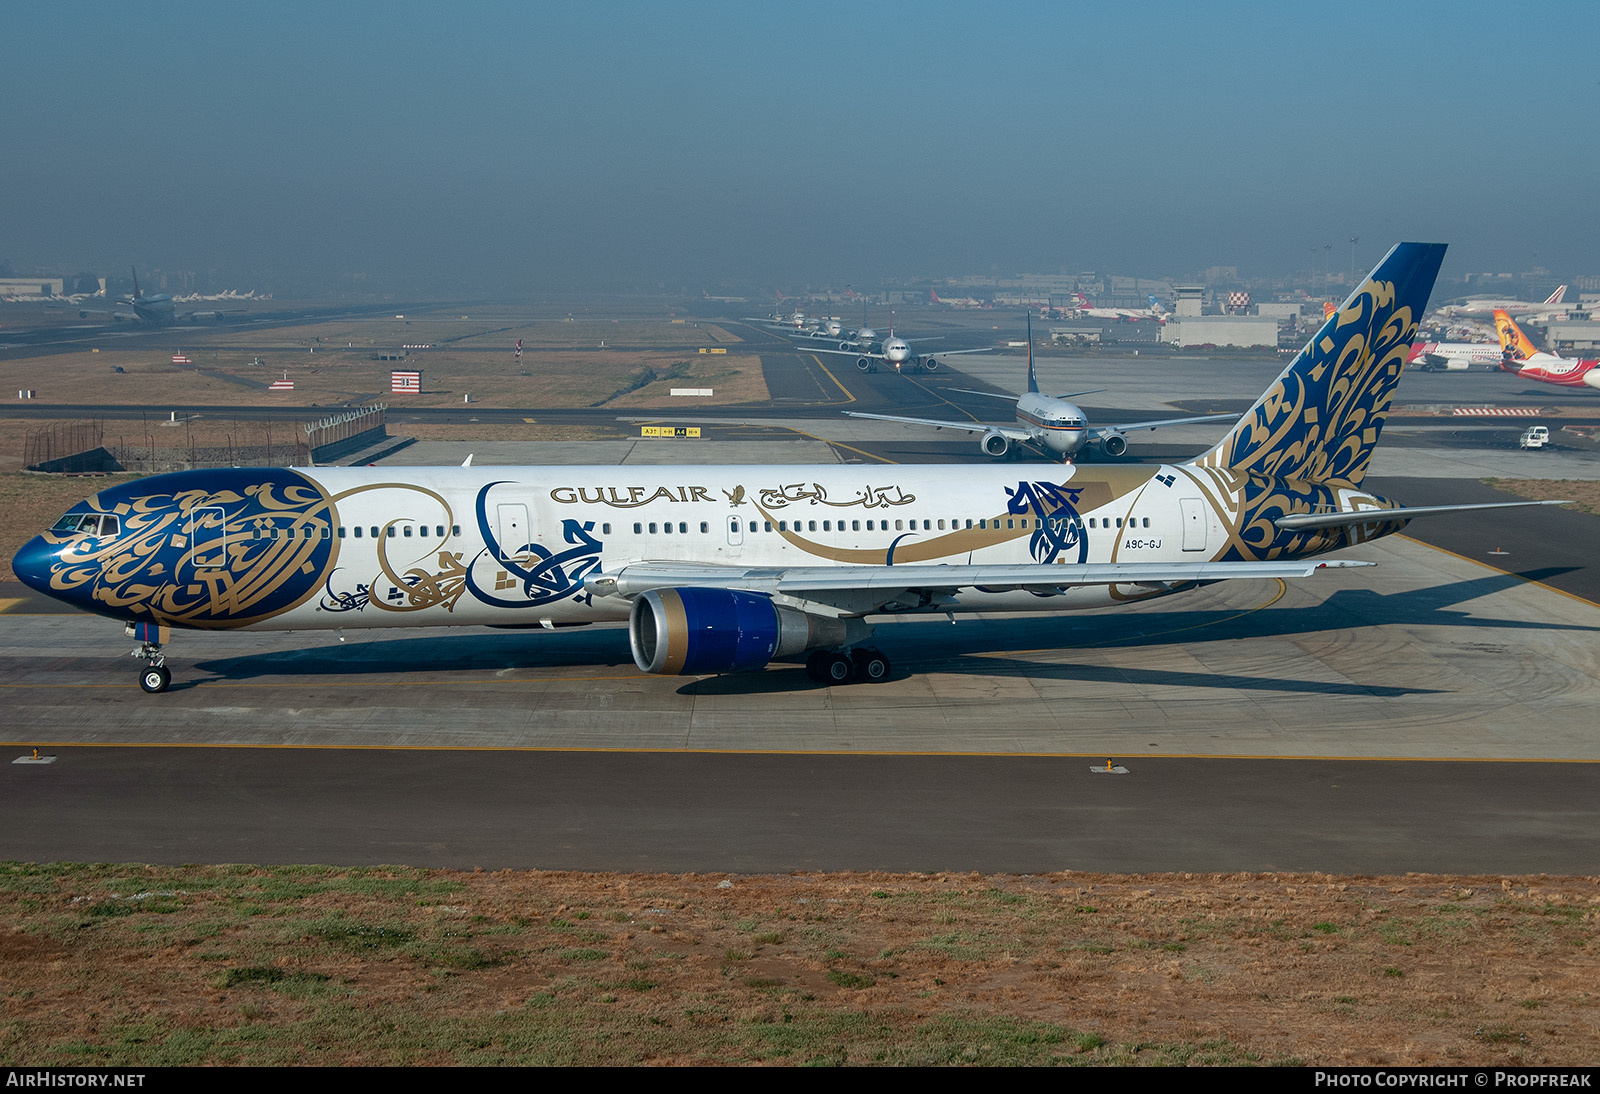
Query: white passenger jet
1052,424
723,569
894,351
1484,307
157,310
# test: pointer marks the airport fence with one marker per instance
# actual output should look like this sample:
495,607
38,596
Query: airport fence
342,434
153,444
60,440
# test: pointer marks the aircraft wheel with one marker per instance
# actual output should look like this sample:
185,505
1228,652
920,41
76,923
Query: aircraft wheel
814,666
155,679
835,668
871,666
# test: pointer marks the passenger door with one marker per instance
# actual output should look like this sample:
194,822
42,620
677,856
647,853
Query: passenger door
511,529
1194,523
208,537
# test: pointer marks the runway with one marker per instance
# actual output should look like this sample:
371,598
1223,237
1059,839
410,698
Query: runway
690,812
1433,713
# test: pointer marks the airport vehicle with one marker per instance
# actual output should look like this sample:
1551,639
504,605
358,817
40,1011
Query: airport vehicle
1051,424
723,569
1535,436
1519,356
1452,356
1482,307
157,310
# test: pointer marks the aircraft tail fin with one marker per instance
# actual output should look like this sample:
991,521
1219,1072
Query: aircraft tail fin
1328,310
1320,420
137,295
1512,340
1557,296
1033,381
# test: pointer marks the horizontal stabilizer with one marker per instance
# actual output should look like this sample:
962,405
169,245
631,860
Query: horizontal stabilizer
1301,521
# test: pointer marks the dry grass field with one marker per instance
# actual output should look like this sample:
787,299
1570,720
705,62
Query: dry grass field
1585,495
141,966
582,363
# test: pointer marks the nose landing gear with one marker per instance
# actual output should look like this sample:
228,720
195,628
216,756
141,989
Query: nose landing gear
156,676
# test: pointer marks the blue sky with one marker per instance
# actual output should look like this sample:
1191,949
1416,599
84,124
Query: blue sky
488,146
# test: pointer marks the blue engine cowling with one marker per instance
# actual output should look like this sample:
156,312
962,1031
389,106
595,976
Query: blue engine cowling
691,632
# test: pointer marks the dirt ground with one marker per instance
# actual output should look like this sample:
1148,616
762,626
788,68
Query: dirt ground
151,965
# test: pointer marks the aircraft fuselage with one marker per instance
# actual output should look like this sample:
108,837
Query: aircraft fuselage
319,548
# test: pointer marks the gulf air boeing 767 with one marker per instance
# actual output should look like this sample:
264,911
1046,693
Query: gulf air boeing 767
723,569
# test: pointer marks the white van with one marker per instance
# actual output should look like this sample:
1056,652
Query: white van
1535,436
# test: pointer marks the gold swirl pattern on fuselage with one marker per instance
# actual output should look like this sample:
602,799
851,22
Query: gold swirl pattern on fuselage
245,547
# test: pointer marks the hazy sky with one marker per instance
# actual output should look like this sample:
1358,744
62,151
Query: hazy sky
496,147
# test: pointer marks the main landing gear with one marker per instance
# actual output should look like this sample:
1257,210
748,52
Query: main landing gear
156,676
852,667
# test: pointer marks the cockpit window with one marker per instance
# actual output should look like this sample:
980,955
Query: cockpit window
92,523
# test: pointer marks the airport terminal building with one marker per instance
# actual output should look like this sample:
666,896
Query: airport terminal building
1221,330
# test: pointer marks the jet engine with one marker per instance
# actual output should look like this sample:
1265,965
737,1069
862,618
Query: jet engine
930,364
1114,443
689,632
995,444
864,364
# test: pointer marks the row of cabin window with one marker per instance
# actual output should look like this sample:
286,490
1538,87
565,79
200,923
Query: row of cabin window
1056,524
666,528
357,531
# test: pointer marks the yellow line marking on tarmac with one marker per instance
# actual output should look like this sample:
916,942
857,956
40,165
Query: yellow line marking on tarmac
1498,570
10,602
434,681
587,749
849,398
840,444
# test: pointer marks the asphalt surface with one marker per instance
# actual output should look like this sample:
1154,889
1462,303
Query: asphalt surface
689,812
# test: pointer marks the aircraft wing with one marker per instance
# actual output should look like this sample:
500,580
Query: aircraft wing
986,394
1010,432
880,357
866,589
215,315
85,311
1097,431
844,352
1013,398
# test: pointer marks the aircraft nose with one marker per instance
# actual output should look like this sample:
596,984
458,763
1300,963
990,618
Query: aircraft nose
1592,377
32,564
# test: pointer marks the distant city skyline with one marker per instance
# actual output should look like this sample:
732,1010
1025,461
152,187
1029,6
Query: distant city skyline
494,149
